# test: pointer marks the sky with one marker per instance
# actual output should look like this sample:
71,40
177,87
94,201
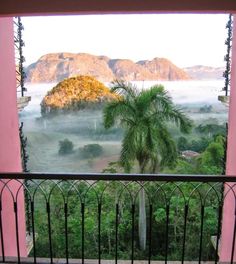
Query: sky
185,39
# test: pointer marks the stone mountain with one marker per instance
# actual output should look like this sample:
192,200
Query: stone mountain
57,66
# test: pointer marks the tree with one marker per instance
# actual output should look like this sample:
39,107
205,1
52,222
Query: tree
211,129
200,145
182,144
65,147
91,151
212,159
144,115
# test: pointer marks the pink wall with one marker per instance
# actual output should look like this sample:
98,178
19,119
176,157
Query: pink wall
229,204
9,138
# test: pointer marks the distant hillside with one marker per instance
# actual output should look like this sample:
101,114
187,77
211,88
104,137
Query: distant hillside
200,72
57,66
76,93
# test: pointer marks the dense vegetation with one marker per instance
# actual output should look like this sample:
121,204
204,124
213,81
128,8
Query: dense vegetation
84,200
76,93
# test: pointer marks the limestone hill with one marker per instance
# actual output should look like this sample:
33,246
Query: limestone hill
76,93
57,66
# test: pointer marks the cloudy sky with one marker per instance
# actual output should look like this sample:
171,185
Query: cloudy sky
186,40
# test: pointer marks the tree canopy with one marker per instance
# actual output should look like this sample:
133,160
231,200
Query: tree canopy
144,116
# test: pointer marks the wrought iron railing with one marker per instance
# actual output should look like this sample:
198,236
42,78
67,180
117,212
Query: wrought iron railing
97,216
227,58
19,58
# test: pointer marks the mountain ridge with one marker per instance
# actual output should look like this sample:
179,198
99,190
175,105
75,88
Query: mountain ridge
55,67
202,72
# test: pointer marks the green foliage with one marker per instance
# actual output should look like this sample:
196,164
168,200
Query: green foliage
211,129
205,134
113,167
144,116
212,159
91,151
113,193
199,145
65,147
182,144
183,166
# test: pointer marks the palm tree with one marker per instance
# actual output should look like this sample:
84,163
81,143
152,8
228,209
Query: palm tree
144,116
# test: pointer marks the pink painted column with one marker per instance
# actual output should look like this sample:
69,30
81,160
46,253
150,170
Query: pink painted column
10,160
228,221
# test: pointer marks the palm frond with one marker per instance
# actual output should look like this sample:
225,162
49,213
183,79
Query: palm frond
155,101
128,150
154,164
166,110
151,137
151,95
124,89
116,110
176,115
159,100
167,147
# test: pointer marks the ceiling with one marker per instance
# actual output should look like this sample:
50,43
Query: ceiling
54,7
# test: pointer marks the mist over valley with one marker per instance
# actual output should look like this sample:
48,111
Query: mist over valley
85,126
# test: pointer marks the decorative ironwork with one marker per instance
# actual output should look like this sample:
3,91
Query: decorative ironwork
24,161
20,59
68,212
227,57
24,155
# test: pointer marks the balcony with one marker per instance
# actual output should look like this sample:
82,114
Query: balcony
94,218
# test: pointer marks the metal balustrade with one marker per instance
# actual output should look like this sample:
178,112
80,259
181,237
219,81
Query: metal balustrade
96,217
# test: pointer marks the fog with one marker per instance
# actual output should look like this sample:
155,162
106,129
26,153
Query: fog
85,127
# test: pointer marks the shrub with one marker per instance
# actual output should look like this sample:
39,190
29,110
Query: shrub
65,147
91,151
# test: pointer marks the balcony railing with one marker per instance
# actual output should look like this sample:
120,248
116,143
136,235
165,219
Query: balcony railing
96,217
